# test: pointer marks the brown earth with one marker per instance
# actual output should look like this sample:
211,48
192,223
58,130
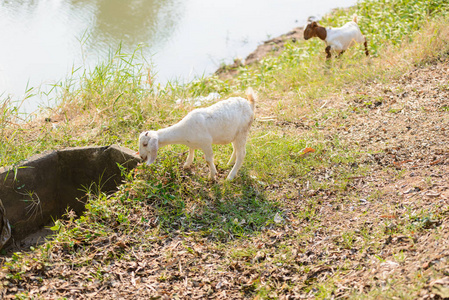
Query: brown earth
405,123
273,46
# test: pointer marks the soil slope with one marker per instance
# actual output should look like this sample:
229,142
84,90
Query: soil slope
406,122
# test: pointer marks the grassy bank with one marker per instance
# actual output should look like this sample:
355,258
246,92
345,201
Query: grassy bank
118,95
333,223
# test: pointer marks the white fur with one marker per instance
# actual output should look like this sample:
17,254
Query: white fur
227,121
337,39
342,38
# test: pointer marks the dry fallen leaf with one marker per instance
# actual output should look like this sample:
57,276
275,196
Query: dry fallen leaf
432,194
436,162
306,151
388,216
441,287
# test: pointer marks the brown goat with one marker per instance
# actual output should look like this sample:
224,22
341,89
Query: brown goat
337,39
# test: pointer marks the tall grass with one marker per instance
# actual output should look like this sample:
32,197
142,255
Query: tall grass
108,104
117,99
10,119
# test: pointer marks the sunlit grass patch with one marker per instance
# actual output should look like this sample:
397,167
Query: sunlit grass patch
165,198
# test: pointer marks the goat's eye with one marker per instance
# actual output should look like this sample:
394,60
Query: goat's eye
145,144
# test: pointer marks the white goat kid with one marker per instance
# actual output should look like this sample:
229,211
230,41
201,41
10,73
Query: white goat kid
337,39
225,122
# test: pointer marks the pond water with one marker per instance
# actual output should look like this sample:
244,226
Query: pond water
44,40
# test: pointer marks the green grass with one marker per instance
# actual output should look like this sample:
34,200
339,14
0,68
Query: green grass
114,102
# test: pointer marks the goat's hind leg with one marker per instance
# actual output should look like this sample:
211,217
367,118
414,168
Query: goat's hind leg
328,52
339,54
190,158
240,152
209,156
232,159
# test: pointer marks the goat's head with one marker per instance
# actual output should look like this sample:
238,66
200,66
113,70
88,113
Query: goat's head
310,30
313,29
148,146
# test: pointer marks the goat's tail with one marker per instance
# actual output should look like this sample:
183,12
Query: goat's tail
354,18
252,97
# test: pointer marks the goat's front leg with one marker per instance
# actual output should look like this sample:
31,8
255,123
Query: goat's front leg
328,52
366,47
190,157
209,155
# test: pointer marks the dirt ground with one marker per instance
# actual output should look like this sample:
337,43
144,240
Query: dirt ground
407,123
273,46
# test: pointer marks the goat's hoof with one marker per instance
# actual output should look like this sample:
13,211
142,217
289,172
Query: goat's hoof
229,178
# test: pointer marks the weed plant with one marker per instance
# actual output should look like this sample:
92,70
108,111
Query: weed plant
116,101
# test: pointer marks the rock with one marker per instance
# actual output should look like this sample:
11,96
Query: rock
278,218
40,189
